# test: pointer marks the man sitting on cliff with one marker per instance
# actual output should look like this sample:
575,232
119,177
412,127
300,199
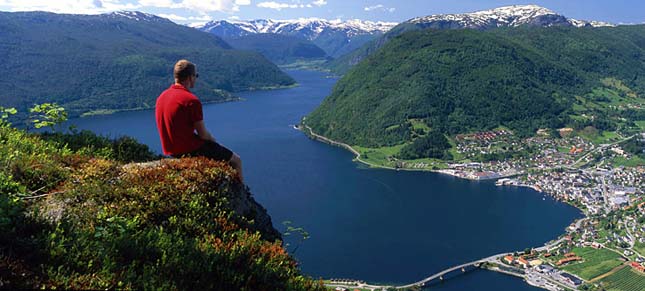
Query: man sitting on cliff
180,121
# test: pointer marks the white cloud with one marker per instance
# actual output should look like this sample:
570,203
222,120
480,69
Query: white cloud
294,4
201,6
203,17
160,3
215,5
276,5
379,7
174,17
69,6
102,6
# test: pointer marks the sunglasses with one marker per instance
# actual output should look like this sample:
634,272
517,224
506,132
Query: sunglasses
196,75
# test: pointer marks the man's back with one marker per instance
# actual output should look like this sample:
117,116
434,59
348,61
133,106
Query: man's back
176,112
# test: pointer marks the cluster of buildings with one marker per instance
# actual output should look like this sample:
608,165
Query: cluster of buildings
524,261
483,171
572,170
538,153
608,193
568,258
543,275
598,190
484,136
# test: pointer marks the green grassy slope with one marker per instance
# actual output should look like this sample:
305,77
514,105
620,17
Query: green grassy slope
75,217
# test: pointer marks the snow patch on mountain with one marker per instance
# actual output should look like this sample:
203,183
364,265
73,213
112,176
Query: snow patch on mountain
311,28
512,16
135,15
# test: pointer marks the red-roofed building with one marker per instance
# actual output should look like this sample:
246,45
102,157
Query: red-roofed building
568,260
638,267
523,262
509,259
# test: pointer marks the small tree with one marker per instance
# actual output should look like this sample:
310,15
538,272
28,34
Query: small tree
48,115
304,235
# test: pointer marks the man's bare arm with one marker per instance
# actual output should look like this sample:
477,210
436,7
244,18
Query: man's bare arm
203,132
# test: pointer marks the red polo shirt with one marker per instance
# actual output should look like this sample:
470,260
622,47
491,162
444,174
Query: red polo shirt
176,112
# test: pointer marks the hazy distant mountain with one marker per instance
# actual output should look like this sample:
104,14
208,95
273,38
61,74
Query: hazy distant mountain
509,16
334,37
278,48
121,60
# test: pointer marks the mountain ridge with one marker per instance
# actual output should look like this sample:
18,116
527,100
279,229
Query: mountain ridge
335,37
280,49
287,26
506,16
117,61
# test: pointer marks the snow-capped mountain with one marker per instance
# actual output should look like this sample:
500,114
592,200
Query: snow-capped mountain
508,16
136,16
310,28
336,37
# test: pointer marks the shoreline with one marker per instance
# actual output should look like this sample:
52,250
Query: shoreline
233,98
107,112
452,173
345,146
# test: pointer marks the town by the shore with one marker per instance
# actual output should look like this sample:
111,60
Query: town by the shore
571,170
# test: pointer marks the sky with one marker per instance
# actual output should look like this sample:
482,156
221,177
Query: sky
199,11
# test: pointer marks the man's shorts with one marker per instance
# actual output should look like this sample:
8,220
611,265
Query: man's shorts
211,150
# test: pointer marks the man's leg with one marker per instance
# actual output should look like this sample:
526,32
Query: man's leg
218,152
236,162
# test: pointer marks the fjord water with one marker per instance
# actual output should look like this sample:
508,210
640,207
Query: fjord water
375,225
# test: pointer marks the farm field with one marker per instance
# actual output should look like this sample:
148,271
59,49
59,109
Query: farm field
624,280
596,262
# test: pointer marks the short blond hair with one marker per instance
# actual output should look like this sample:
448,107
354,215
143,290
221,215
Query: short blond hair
183,70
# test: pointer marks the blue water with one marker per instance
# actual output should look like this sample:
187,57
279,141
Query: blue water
374,225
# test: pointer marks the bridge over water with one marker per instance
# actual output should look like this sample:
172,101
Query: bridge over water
491,259
462,267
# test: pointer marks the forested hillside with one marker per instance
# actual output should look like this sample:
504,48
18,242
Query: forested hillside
459,81
116,61
508,16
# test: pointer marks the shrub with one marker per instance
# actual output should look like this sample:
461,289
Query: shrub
124,149
184,224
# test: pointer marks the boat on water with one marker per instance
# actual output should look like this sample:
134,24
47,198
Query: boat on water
503,182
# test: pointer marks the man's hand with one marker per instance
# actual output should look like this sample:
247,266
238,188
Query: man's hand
203,132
